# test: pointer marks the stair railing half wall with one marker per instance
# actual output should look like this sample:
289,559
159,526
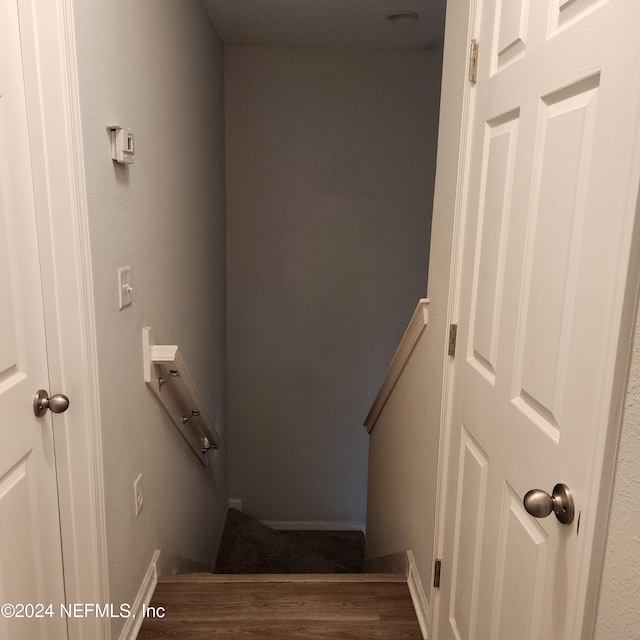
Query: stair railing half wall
414,330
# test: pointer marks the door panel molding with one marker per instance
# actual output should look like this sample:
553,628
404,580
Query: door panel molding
526,542
471,501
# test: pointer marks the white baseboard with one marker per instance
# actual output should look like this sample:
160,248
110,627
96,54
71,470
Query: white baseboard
315,525
418,596
145,593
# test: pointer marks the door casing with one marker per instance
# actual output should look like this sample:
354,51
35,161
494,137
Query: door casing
51,86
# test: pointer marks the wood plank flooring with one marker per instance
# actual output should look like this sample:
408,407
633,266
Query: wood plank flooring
283,608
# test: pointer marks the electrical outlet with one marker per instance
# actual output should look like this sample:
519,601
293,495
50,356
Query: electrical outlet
235,503
138,492
125,290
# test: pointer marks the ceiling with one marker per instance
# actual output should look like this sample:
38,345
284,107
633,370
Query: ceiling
334,24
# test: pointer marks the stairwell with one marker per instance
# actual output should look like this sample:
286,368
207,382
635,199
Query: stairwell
277,585
249,546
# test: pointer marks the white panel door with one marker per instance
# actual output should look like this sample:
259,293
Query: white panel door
546,251
30,547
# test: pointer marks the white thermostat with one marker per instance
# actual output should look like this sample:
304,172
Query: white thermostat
122,145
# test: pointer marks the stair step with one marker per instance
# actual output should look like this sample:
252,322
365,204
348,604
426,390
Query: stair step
284,577
294,607
248,546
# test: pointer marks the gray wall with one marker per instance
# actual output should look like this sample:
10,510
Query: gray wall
330,164
156,66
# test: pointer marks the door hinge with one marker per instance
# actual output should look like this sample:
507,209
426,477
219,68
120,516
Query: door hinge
436,573
453,334
473,61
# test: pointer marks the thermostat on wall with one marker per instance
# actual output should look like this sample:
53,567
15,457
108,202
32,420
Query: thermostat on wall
122,145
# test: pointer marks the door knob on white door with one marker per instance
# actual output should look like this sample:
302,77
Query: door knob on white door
540,504
58,403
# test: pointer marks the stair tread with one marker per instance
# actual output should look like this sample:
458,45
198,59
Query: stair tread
347,608
284,577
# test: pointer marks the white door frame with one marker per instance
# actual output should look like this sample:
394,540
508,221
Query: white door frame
464,14
457,39
49,61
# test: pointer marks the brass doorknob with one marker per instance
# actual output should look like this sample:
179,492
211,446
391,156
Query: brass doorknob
540,504
58,403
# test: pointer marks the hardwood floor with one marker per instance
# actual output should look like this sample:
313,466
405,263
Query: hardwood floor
322,607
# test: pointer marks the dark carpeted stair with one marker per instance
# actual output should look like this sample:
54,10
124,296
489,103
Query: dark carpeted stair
248,546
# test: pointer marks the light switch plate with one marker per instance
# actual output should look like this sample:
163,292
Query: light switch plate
125,290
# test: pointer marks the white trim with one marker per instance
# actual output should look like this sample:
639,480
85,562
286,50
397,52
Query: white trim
418,596
51,87
403,563
448,364
414,330
145,593
315,525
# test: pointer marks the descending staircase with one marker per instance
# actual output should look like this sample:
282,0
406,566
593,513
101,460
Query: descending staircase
283,607
249,546
284,585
